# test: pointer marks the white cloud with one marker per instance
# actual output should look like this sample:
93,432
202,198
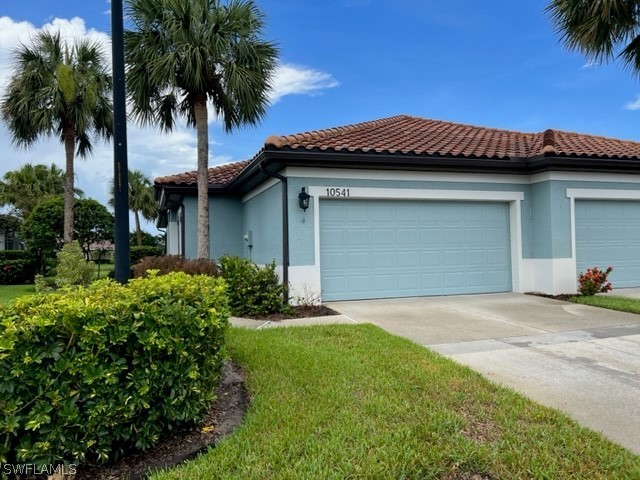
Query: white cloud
590,64
292,79
155,153
634,105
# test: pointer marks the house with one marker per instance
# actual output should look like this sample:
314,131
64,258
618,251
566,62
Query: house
9,233
407,206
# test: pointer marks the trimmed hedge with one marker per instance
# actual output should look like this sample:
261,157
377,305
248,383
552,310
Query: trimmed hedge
138,253
16,267
89,373
175,263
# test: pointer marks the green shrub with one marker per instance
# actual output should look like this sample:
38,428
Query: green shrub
42,284
16,267
90,373
253,290
15,255
175,263
72,268
138,253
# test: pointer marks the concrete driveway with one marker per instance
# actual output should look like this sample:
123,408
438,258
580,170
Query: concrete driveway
582,360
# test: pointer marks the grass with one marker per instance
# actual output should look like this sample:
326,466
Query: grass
623,304
10,292
102,270
355,402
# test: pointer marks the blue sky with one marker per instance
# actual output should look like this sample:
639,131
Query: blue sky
496,64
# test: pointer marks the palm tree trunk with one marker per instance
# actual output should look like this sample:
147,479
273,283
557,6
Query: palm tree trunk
202,129
136,216
69,147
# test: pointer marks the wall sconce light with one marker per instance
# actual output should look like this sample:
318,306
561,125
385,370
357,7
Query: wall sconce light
303,199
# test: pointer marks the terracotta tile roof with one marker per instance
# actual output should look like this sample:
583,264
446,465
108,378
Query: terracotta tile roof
416,136
419,136
218,175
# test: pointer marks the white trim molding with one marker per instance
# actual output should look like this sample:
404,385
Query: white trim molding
399,175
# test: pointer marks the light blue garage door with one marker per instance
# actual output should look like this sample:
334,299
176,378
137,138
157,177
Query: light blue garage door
382,249
608,234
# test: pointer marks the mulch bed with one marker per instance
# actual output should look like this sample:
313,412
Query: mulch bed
300,312
225,415
563,296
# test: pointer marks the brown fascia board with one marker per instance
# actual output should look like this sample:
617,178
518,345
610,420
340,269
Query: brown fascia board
549,163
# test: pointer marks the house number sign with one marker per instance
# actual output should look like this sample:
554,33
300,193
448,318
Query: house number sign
337,192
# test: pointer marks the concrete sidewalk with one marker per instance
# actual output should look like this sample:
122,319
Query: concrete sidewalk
582,360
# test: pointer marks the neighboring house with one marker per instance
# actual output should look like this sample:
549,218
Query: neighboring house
406,206
9,238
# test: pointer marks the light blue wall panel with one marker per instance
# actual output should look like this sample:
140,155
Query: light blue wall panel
190,226
225,217
263,217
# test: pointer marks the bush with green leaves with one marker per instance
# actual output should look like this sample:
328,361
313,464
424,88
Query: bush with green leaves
138,253
253,290
72,268
89,373
175,263
16,267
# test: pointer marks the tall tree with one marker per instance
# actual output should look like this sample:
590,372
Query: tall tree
600,29
62,90
24,188
141,201
184,55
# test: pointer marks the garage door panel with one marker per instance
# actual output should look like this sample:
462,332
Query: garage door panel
431,259
429,236
608,234
452,213
407,259
454,259
474,258
407,236
383,259
453,280
409,213
356,260
359,283
413,248
358,214
357,238
453,235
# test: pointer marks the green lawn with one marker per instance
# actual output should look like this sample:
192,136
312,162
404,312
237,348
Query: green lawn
355,402
101,271
631,305
9,292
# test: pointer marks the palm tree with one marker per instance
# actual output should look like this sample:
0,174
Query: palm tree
27,186
600,29
62,90
186,54
141,200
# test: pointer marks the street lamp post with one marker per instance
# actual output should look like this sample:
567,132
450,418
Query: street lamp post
120,166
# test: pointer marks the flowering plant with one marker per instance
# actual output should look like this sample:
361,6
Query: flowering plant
594,281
